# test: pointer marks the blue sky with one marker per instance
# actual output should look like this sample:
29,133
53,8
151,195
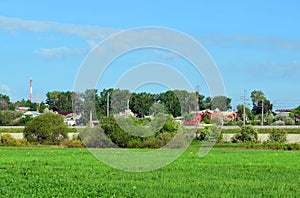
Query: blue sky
255,44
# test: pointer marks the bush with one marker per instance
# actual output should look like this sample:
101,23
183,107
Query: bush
278,123
217,121
277,135
95,138
72,144
210,133
247,134
8,140
47,128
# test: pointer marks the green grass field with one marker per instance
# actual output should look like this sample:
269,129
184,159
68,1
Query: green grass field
58,172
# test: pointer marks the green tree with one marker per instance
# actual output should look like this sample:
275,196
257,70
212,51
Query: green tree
60,101
221,102
119,100
170,100
295,112
140,103
187,100
240,111
47,128
259,101
7,117
4,102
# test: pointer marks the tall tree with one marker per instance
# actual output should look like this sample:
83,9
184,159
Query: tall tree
140,103
4,102
60,101
221,102
170,100
259,101
187,100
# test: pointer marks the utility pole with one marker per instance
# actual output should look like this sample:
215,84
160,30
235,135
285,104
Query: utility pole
262,112
107,106
127,104
197,98
244,108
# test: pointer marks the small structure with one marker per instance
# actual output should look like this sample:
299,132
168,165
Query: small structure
32,114
70,121
198,116
22,109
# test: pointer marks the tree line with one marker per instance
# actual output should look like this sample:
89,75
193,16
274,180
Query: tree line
113,101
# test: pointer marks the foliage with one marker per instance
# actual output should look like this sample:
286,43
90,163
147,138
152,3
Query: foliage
221,102
217,120
240,111
278,123
259,100
188,116
72,144
283,119
206,119
47,128
188,100
116,130
140,103
7,117
295,112
60,101
210,133
278,135
247,134
94,137
8,140
263,130
4,102
171,102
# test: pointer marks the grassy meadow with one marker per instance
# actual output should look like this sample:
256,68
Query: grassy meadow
224,172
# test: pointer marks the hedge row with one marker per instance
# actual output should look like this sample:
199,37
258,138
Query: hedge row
265,130
20,130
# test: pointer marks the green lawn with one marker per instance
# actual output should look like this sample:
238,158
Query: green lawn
57,172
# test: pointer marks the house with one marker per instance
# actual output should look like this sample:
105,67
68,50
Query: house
70,121
198,116
22,109
31,114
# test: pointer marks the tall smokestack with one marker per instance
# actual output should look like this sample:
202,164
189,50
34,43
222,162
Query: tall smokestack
30,97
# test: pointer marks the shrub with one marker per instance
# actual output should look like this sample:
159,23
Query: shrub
95,138
288,121
217,121
47,128
210,133
247,134
206,119
72,144
8,140
278,123
277,135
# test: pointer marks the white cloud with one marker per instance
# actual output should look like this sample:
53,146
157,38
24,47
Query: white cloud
88,32
274,69
231,40
59,52
4,88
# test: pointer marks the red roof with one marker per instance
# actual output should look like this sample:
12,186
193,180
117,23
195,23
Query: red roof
64,113
189,122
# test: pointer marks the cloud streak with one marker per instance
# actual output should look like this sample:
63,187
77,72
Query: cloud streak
59,52
87,32
274,69
253,40
4,88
